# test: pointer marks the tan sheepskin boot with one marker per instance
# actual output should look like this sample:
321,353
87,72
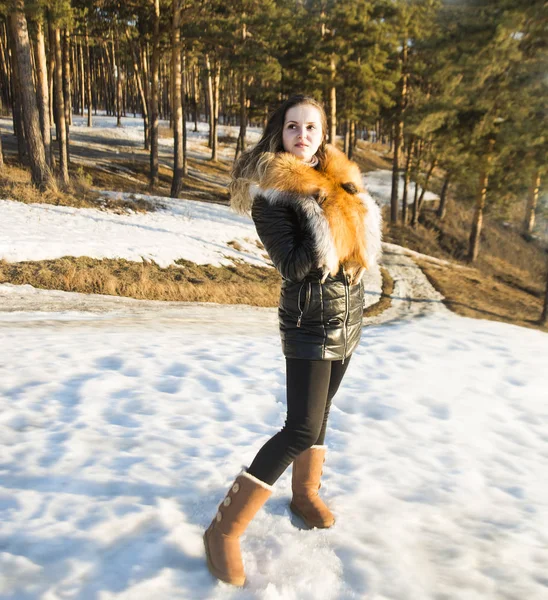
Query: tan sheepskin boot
222,538
305,483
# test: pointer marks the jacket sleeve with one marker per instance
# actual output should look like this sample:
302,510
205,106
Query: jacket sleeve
289,244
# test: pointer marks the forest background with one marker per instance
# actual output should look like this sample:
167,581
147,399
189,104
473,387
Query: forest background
452,93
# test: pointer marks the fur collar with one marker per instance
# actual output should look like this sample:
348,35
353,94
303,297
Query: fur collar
286,173
289,181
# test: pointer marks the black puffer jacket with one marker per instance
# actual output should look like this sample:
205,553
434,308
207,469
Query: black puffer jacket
318,321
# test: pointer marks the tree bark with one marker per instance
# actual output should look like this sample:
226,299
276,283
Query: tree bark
474,242
1,152
332,101
185,82
42,89
406,177
442,208
532,200
17,112
67,85
60,122
196,98
214,130
425,184
82,89
416,172
346,136
177,107
210,100
398,134
140,87
154,96
88,72
41,174
5,86
240,144
146,86
544,316
118,75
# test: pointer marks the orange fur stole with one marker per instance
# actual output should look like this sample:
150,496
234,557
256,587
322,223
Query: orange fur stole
337,190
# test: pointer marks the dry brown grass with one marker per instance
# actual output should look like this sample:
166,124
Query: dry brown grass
507,281
471,293
238,284
15,184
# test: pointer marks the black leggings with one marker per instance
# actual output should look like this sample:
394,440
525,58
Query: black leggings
311,385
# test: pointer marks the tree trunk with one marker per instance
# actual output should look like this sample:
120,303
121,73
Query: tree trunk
5,86
177,107
146,85
140,87
425,184
406,177
398,133
82,90
88,72
118,74
416,172
42,89
17,112
473,247
67,86
1,152
442,208
240,144
185,82
544,316
154,96
60,122
346,143
210,99
351,139
41,175
216,85
51,77
532,200
332,101
196,99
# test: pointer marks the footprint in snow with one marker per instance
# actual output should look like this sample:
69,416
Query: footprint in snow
109,363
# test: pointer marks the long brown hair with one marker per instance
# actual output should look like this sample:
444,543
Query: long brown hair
250,165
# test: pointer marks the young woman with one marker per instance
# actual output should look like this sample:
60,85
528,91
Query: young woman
321,230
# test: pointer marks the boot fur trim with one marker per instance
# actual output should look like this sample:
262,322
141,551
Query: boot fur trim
257,481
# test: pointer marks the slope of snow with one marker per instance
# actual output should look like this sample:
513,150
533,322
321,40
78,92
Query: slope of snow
196,231
121,434
379,185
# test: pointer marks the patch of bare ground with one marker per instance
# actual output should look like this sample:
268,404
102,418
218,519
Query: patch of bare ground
206,181
15,184
240,283
385,301
371,157
506,283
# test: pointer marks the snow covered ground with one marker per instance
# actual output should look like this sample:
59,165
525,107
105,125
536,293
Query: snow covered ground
196,231
121,430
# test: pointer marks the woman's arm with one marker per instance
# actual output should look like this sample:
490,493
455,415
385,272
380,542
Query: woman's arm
286,235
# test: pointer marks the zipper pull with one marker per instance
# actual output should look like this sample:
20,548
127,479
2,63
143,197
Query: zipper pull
299,320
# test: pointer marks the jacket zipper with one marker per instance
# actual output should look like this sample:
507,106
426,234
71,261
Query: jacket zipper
346,293
306,302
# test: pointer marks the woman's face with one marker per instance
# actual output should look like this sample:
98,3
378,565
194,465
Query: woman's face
302,134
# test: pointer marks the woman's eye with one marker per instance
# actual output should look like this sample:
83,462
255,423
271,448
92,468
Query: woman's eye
311,127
